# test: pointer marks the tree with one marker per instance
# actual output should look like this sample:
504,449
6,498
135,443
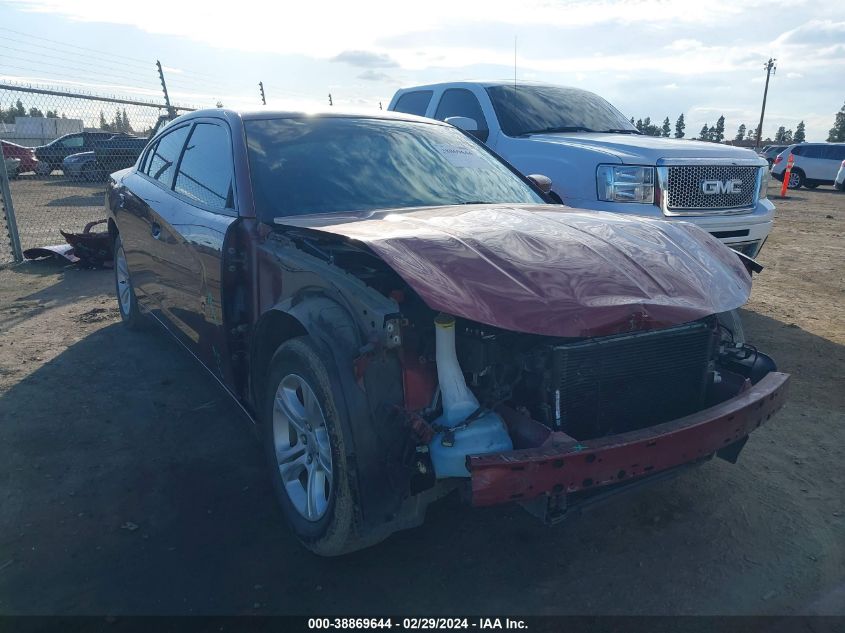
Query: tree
666,129
19,109
718,133
632,120
740,133
639,124
704,135
800,135
837,132
104,125
125,126
35,112
679,127
783,136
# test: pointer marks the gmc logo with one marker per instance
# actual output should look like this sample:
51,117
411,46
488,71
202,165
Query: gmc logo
711,187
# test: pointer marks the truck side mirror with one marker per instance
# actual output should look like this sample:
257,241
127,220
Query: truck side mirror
544,183
463,122
468,125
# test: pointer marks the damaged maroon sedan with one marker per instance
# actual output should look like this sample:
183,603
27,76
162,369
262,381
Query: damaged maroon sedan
404,315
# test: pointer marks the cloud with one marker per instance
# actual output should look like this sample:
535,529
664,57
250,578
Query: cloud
815,32
365,59
684,44
374,75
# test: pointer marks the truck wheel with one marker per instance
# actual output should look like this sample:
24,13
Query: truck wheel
306,450
796,179
126,301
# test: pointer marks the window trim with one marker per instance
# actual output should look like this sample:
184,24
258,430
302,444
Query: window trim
227,211
154,144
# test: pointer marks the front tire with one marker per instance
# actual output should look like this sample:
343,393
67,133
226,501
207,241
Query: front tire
796,179
306,450
127,303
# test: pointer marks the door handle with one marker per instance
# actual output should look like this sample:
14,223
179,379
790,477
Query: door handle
155,229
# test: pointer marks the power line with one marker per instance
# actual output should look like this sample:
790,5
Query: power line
74,47
63,66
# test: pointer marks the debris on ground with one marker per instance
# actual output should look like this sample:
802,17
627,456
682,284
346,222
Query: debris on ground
89,249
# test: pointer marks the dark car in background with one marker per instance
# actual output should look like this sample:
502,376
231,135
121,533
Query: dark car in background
26,155
52,154
118,152
402,314
770,152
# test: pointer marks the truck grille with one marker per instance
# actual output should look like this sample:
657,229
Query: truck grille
626,382
685,187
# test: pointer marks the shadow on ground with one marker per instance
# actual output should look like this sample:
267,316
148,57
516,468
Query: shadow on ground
130,484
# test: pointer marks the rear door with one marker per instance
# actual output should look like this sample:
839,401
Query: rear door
193,233
812,161
144,200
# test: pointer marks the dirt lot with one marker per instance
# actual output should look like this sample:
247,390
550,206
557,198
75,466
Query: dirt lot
45,204
129,484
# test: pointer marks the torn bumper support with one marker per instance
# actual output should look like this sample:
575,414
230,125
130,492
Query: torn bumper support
563,465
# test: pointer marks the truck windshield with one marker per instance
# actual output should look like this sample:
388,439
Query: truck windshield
528,109
329,164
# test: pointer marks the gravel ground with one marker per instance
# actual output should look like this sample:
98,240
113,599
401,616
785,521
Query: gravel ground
129,484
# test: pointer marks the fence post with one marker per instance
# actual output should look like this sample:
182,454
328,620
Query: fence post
9,212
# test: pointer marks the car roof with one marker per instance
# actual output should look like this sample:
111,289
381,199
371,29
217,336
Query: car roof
264,113
489,83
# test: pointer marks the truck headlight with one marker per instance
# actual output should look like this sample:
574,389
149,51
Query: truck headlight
764,183
623,183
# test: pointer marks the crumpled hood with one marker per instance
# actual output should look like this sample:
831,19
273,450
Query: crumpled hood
545,270
642,149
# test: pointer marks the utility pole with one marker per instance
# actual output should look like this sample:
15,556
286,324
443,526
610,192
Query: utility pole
261,87
171,111
771,67
330,99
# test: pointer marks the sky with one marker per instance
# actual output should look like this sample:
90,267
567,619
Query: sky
654,58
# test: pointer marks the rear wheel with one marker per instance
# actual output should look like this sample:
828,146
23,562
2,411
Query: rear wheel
126,301
796,179
306,450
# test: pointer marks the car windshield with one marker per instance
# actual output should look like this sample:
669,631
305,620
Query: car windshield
309,165
528,109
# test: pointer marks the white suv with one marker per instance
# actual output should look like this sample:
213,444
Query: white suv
598,160
815,164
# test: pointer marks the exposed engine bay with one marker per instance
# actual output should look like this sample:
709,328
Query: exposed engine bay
471,388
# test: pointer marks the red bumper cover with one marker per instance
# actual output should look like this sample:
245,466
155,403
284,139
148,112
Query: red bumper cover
563,465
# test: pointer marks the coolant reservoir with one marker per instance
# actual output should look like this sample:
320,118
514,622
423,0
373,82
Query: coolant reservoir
485,434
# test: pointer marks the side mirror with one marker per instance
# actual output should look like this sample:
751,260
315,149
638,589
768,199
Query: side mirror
468,125
463,122
544,183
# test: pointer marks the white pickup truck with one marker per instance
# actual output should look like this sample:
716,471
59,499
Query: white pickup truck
597,160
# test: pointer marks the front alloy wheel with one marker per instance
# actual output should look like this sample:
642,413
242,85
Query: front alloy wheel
795,180
306,448
302,445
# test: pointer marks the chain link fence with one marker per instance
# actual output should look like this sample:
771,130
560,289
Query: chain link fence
59,149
